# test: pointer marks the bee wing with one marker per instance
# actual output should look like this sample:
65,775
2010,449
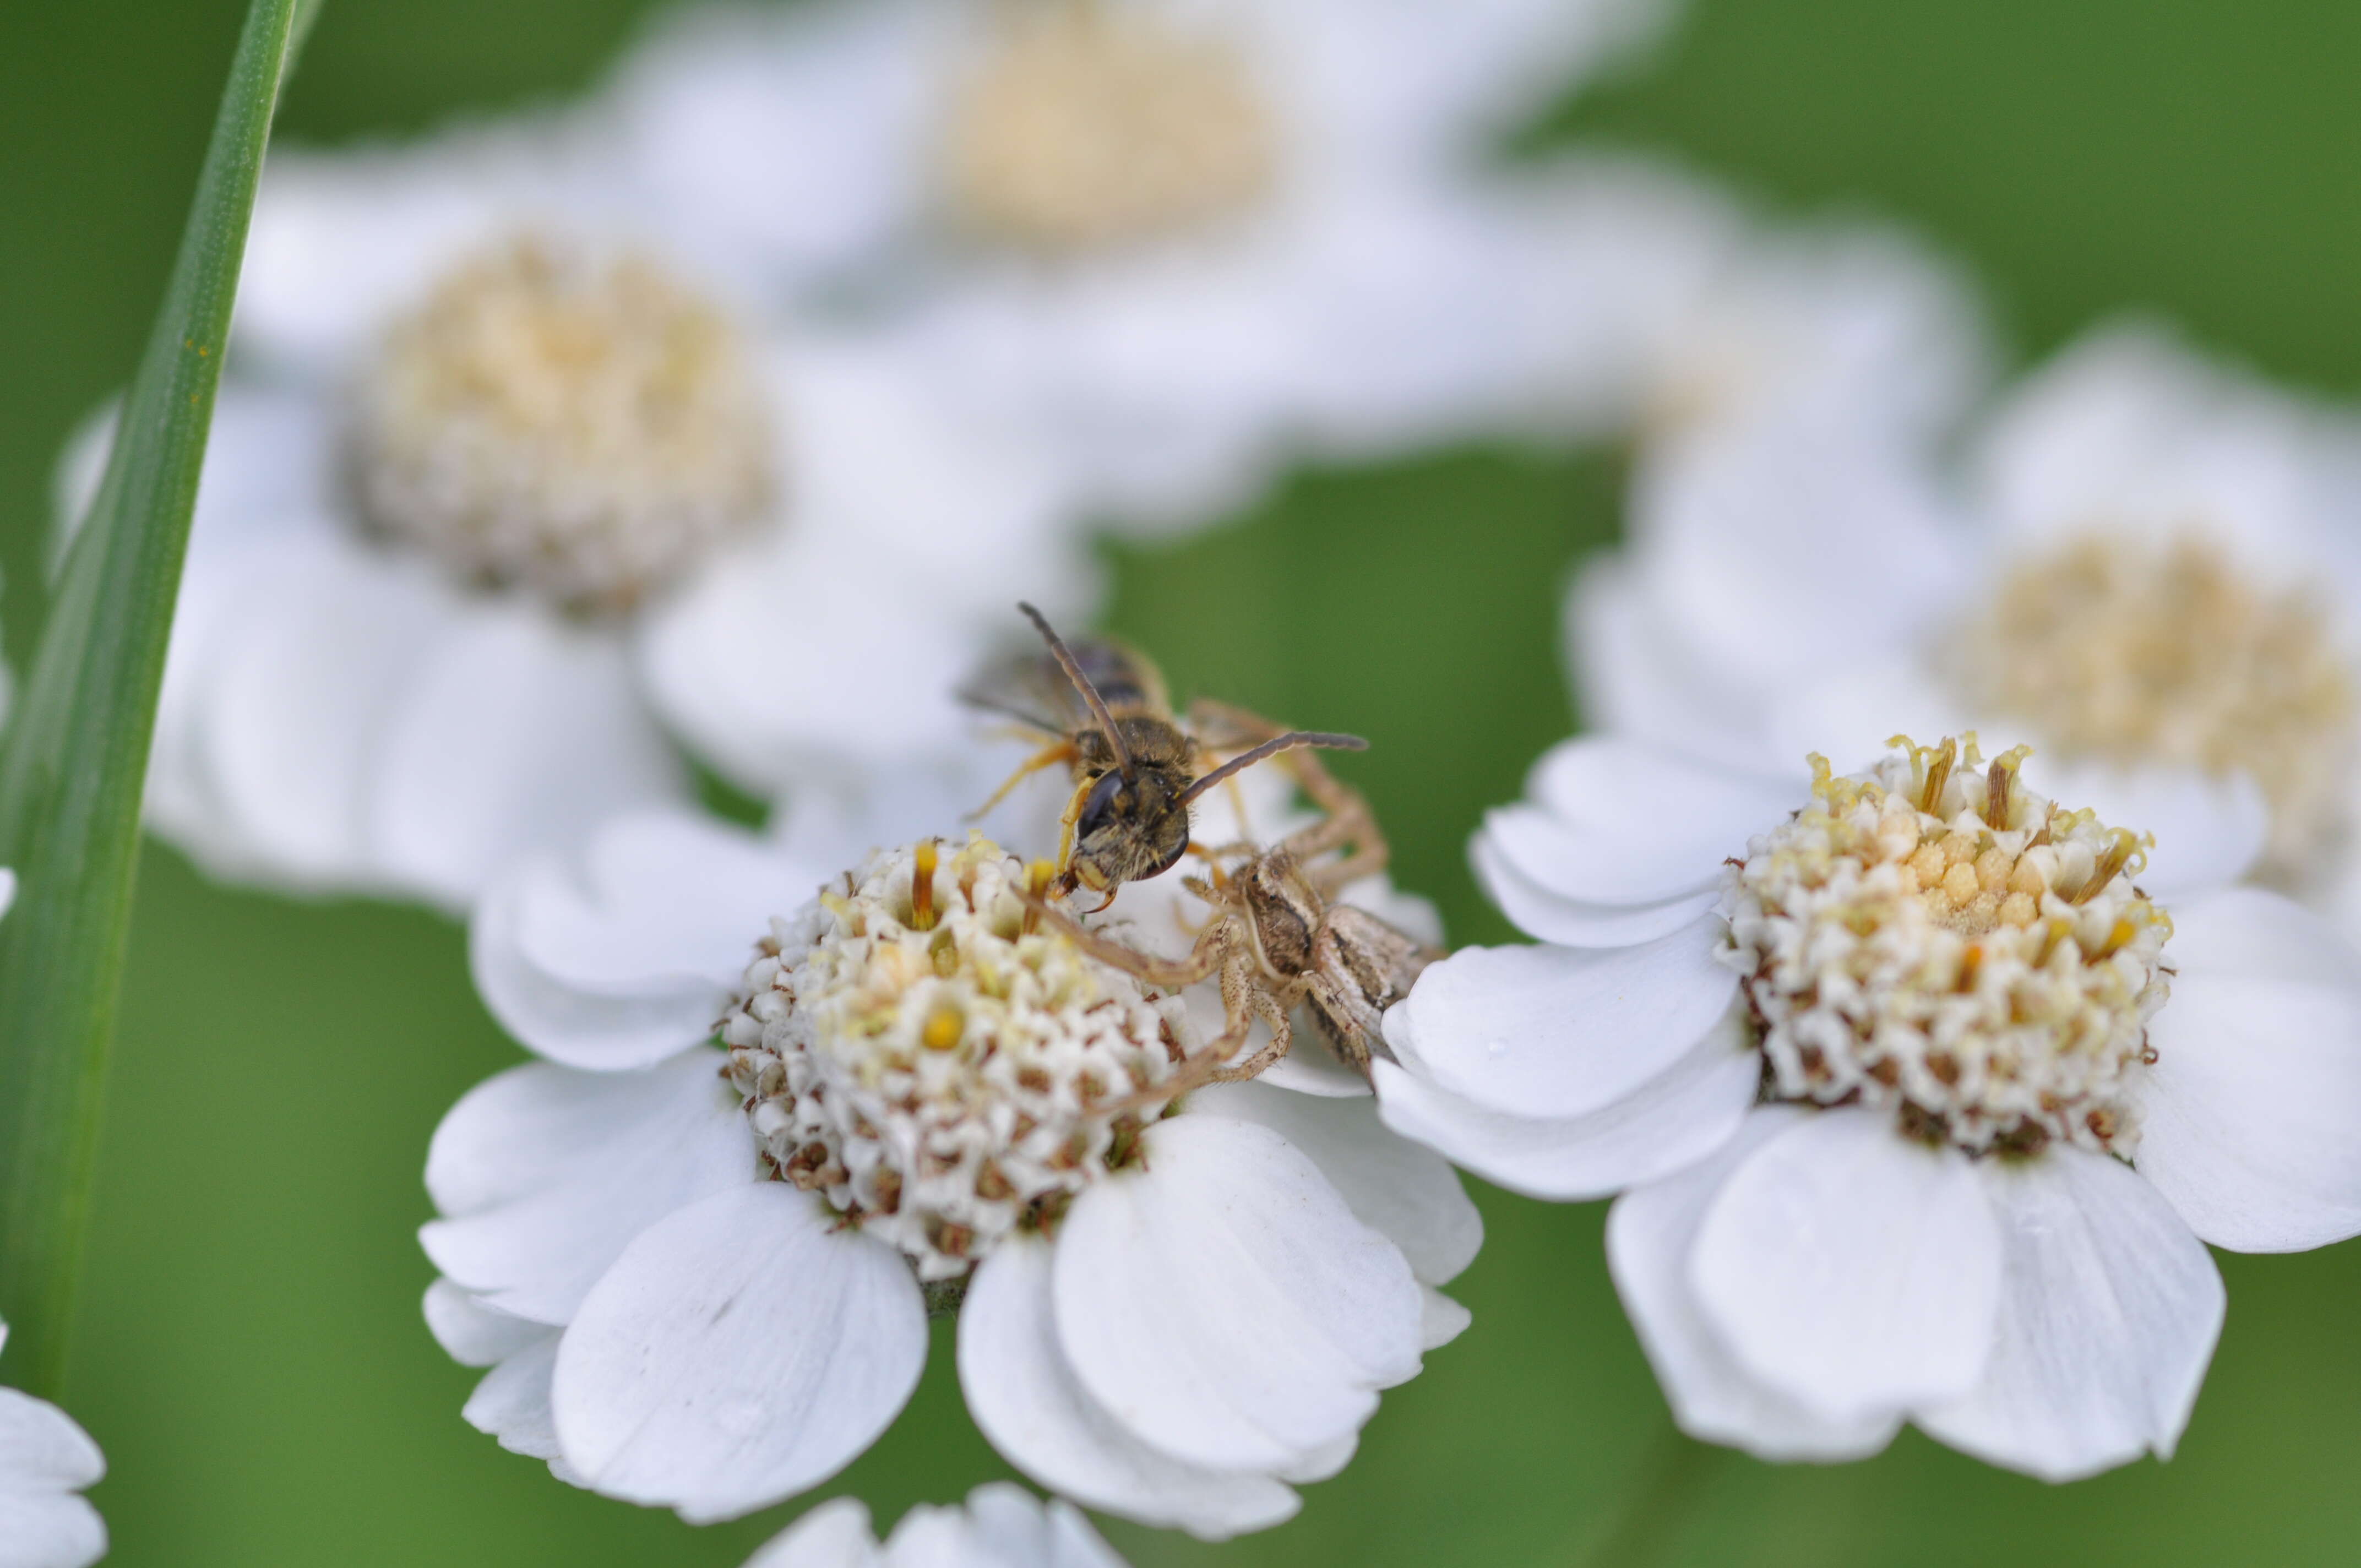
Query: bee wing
1031,689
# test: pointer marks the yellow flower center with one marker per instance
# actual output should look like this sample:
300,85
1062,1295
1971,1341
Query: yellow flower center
1088,125
580,427
2127,653
1932,938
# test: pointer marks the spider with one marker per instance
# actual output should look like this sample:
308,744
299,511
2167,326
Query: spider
1278,935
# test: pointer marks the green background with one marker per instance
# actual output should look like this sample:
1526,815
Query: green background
250,1353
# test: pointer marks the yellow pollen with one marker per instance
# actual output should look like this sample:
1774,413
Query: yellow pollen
582,427
2136,652
1090,125
943,1028
1933,938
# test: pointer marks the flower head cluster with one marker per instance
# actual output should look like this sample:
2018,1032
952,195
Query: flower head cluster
1935,939
1914,1112
584,426
702,1279
915,1050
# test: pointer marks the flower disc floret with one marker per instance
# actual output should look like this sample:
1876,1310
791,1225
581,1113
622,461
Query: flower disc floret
2135,652
918,1048
581,427
1933,938
1087,125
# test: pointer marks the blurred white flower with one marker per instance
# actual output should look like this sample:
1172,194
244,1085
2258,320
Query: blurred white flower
504,484
1654,303
2150,572
1186,238
700,1278
1001,1526
45,1460
1922,1092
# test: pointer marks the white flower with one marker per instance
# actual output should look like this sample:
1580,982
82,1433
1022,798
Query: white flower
1922,1092
1650,302
45,1460
700,1277
1000,1526
503,484
1184,237
2148,571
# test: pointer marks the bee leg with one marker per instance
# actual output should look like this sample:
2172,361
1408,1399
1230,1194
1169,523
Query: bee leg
1048,756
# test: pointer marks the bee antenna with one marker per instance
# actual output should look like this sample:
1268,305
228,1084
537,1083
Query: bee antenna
1067,661
1292,740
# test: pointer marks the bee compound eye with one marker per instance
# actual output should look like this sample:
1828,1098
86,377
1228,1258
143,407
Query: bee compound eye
1107,801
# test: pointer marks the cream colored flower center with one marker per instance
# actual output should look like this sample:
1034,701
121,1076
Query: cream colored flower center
1933,939
1090,125
915,1050
580,427
2132,652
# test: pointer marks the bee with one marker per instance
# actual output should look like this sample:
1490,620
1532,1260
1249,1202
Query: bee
1279,938
1136,769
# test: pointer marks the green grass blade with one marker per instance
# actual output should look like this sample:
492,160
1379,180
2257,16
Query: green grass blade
77,748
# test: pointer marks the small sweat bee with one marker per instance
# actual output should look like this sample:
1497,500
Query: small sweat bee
1136,769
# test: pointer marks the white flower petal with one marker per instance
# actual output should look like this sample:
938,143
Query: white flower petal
1672,1120
1026,1402
1651,1236
512,731
631,956
1225,1305
1408,1193
1849,715
546,1174
512,1401
2251,1106
1552,918
1549,1032
1780,547
42,1449
738,1352
833,1535
472,1333
307,666
1635,675
48,1529
1618,822
1442,1320
1851,1270
2109,1311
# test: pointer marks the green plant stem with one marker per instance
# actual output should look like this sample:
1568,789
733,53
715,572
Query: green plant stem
1660,1495
76,752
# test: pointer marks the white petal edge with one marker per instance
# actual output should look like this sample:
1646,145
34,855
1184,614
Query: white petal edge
740,1352
1225,1305
1674,1120
545,1174
1651,1235
1853,1271
1028,1404
2110,1310
2251,1106
1395,1186
1552,1032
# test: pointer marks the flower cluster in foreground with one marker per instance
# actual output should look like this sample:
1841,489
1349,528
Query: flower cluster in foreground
701,1277
1923,1092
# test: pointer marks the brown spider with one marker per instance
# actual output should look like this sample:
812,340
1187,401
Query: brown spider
1277,936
